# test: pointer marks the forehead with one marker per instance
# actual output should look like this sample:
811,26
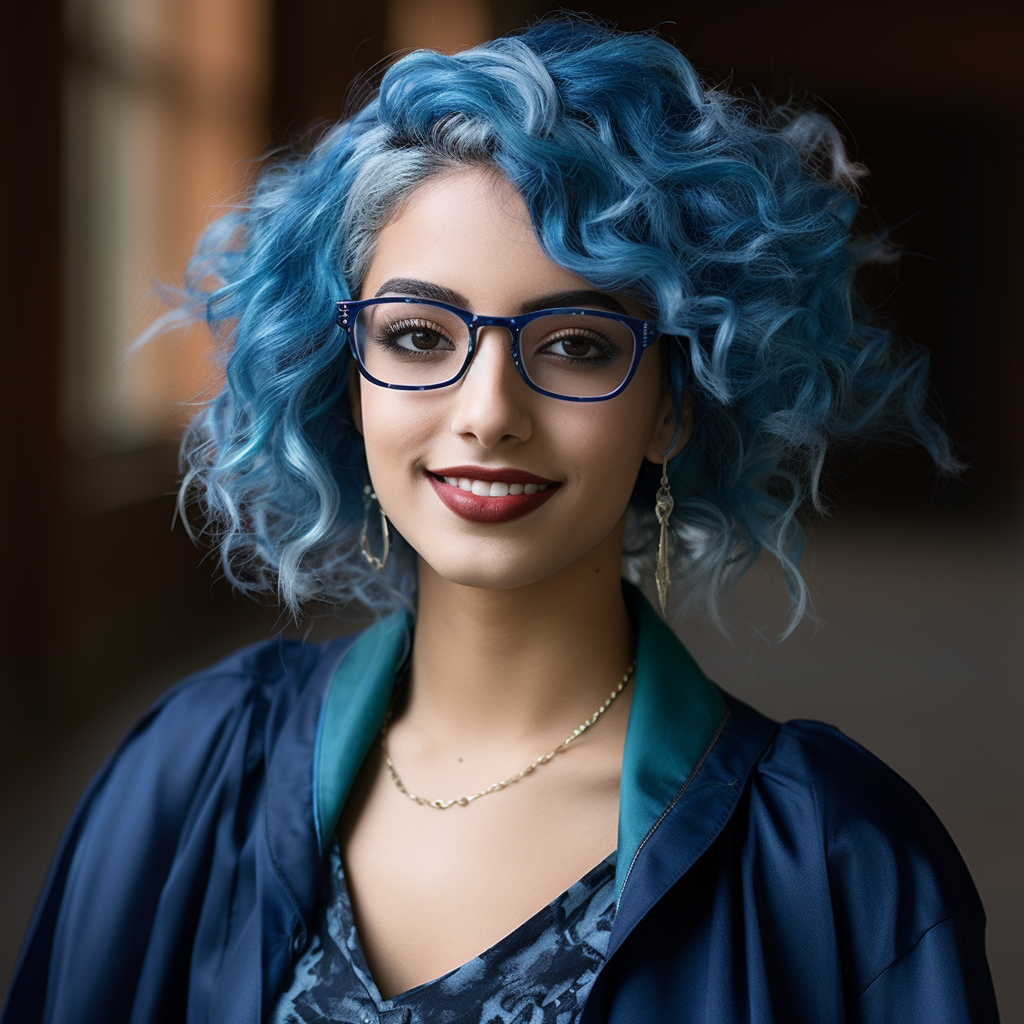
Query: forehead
468,230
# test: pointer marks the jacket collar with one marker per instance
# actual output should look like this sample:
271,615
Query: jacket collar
674,717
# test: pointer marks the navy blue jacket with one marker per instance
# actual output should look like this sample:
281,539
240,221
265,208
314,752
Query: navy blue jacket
771,874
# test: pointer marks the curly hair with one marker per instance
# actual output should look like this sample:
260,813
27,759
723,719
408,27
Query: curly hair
731,222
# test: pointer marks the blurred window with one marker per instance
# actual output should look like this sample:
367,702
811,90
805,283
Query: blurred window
165,106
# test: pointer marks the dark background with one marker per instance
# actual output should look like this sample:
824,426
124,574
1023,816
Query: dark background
919,581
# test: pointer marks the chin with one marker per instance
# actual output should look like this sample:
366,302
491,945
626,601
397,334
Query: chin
492,571
486,578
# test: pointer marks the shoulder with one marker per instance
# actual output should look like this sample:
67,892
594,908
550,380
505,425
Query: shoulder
866,817
275,669
894,880
209,723
859,802
837,852
159,832
274,673
201,740
200,751
202,711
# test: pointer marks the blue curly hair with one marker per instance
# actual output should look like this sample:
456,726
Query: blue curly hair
732,223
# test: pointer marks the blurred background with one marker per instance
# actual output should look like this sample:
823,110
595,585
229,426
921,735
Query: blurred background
127,122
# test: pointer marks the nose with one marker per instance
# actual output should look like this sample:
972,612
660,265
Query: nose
492,402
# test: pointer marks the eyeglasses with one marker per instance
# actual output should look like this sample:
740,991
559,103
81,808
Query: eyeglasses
580,355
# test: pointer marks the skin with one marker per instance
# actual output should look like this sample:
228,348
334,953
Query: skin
521,627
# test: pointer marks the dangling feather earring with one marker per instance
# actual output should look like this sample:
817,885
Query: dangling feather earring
369,497
663,504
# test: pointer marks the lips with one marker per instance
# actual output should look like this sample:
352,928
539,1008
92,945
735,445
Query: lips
490,495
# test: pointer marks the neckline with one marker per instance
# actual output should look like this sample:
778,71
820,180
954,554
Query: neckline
676,716
339,887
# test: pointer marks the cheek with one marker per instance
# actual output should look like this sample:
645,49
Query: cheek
605,456
389,433
618,433
608,451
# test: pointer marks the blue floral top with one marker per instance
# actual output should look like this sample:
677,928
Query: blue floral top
541,973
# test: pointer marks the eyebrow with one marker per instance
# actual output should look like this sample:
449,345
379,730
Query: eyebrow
408,286
584,297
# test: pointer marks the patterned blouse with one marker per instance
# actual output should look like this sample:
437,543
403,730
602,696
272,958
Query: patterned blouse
541,973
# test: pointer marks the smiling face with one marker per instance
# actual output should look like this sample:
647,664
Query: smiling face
493,484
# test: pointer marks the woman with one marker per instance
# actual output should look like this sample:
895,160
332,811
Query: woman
594,308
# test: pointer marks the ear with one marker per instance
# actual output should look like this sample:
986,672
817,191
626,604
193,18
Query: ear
355,399
668,430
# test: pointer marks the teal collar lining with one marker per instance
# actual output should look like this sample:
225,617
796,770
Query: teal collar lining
356,703
676,713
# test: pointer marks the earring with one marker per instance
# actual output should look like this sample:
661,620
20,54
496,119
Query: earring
663,504
369,497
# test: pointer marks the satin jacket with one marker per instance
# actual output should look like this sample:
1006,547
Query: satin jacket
767,873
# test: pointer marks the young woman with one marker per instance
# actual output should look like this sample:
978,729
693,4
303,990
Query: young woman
536,305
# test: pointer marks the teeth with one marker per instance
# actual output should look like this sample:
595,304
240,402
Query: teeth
492,489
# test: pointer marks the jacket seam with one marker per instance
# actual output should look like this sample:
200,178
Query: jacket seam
824,847
273,855
257,727
904,955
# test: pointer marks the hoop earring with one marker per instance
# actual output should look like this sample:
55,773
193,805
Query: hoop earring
663,505
369,497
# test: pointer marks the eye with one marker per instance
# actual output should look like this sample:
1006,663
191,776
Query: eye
417,337
574,347
580,345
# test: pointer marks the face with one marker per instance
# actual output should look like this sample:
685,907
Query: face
440,460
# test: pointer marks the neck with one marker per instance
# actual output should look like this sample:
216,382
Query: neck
512,663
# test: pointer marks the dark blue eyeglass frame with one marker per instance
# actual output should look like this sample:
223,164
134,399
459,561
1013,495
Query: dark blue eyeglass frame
645,333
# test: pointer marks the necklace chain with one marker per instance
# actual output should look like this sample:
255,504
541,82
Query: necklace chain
464,801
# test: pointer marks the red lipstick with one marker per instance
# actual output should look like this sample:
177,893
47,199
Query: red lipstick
485,508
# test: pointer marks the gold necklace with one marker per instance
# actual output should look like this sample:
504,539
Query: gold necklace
464,801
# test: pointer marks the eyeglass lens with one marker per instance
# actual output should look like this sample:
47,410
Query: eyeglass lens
571,354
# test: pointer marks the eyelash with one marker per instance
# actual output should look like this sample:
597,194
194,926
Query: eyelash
401,327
